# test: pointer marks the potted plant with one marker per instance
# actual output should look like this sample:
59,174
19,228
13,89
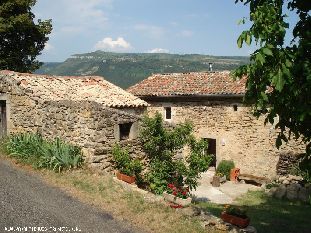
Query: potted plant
218,178
178,195
235,215
128,168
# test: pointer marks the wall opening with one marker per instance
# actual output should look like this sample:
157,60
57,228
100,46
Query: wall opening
211,150
124,130
168,113
235,107
3,120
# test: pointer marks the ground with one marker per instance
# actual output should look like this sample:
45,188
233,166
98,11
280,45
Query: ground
26,201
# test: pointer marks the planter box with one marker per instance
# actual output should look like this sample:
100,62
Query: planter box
240,222
177,200
126,178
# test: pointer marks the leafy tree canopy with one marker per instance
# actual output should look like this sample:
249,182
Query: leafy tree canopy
21,39
279,75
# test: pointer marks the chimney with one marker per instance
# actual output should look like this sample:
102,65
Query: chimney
210,67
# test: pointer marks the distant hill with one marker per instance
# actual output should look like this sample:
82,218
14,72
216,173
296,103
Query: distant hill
126,69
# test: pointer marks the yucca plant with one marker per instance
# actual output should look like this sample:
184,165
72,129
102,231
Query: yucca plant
33,149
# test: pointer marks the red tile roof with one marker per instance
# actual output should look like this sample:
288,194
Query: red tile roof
90,88
192,84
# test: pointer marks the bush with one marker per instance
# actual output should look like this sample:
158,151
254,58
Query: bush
224,167
124,163
33,149
161,145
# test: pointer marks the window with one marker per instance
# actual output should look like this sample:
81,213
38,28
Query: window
125,130
168,113
235,107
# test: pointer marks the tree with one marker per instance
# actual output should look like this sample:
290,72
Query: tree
279,74
21,39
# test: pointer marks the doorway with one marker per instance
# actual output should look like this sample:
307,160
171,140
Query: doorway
3,123
211,150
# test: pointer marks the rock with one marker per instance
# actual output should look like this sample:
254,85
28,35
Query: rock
280,191
285,182
292,191
303,194
249,229
222,227
282,178
234,229
189,211
271,191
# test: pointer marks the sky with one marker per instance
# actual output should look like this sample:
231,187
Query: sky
145,26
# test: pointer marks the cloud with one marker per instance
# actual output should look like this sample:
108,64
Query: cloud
74,16
186,33
48,47
158,50
150,30
108,44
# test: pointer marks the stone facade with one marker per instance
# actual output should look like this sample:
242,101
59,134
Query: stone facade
239,135
93,126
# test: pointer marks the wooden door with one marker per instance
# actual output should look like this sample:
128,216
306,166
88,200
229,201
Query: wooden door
3,123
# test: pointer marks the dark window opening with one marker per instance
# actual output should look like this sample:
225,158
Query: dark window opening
211,150
3,123
125,130
168,113
235,107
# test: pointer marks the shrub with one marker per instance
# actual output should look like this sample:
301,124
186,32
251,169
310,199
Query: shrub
124,163
303,169
33,149
161,145
224,167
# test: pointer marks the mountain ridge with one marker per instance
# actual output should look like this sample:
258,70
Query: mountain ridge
127,69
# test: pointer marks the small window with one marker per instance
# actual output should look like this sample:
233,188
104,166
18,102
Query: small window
235,107
125,130
168,113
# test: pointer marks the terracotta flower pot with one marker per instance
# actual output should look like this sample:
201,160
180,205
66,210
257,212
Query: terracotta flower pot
126,178
238,221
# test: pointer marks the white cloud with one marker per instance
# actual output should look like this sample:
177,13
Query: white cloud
158,50
74,16
186,33
150,30
48,47
108,44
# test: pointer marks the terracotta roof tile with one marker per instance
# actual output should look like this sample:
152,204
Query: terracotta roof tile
90,88
196,83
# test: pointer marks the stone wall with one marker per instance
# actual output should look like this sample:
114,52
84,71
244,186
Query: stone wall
239,136
89,125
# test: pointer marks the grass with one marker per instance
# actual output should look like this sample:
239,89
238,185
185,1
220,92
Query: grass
270,215
106,194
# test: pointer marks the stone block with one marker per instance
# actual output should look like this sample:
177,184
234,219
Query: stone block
292,191
280,192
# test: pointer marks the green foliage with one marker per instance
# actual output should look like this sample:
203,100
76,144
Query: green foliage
33,149
21,39
161,145
279,75
124,163
303,169
224,167
135,67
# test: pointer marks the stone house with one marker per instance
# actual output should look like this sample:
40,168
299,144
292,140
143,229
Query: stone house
213,102
86,111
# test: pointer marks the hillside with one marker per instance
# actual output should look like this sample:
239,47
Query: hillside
126,69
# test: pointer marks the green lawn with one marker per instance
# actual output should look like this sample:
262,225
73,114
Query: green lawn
270,215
